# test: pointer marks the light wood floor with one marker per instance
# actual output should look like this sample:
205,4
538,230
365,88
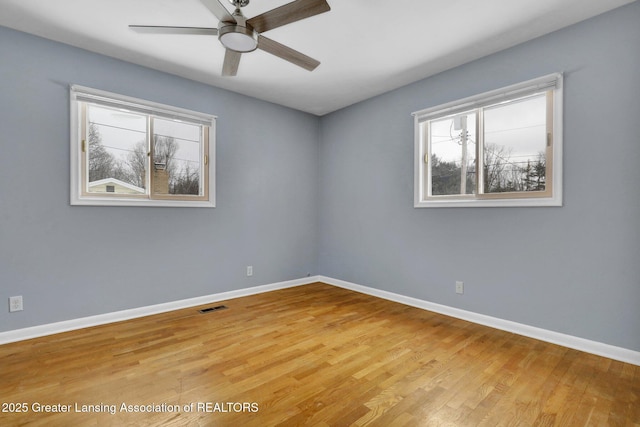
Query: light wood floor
314,355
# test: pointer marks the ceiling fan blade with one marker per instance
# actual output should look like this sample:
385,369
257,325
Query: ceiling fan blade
291,12
218,10
287,53
231,62
162,29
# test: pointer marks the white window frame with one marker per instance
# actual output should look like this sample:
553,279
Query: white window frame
551,82
80,94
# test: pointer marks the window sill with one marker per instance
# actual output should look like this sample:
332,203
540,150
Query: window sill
100,201
490,203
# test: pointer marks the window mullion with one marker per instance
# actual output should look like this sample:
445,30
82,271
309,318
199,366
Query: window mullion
549,151
427,159
480,152
206,160
84,149
150,157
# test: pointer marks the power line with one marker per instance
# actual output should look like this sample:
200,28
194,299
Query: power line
118,127
143,132
134,151
177,137
518,128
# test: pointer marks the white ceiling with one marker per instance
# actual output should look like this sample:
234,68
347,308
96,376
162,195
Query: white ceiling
366,47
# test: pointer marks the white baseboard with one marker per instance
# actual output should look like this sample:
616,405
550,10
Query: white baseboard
118,316
588,346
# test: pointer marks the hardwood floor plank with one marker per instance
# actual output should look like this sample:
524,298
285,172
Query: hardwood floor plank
310,355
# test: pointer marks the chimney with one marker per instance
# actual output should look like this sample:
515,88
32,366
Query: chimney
160,179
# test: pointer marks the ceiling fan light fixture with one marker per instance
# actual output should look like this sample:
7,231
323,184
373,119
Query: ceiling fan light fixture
238,38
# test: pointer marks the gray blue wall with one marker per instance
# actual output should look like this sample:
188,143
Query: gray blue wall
70,262
298,194
574,269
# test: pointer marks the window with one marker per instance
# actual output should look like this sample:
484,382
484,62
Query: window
500,148
130,152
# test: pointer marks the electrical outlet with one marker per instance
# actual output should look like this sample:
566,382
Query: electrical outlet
459,287
15,304
249,270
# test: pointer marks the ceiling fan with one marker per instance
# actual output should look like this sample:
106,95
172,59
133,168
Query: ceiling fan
241,35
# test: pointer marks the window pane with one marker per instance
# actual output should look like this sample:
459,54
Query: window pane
116,145
515,144
177,158
453,152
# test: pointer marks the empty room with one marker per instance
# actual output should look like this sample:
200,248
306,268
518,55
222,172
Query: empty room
319,213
